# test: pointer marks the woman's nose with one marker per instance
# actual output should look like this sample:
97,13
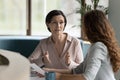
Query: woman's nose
58,24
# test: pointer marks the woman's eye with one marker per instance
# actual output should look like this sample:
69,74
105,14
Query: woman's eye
54,22
61,22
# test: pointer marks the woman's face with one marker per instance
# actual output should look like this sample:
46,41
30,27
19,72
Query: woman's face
57,24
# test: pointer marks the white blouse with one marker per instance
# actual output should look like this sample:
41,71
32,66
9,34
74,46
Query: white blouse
72,46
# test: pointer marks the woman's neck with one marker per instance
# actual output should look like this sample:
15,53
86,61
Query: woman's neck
58,38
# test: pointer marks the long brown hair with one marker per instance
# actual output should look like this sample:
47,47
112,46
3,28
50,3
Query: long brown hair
98,28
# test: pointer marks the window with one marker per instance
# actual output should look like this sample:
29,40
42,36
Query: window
16,16
12,17
41,7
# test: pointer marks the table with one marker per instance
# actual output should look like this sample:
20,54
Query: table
36,78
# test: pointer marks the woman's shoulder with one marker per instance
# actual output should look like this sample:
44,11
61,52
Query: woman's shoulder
98,50
44,40
100,46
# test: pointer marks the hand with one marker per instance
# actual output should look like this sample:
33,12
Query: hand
46,58
39,75
67,59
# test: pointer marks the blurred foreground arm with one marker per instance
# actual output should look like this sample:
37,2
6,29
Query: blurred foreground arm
65,74
62,76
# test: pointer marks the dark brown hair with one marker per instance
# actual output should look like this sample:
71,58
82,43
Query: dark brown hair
53,13
98,28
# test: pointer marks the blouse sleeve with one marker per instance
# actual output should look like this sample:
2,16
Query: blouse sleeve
79,53
36,56
78,56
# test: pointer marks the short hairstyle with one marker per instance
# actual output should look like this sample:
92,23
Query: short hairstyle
53,13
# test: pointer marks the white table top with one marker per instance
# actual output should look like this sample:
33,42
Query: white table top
36,78
18,68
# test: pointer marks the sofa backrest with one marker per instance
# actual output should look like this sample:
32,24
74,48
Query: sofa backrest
26,44
22,44
25,47
85,46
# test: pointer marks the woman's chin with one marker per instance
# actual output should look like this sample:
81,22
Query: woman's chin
58,32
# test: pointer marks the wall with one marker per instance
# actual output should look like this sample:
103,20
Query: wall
114,16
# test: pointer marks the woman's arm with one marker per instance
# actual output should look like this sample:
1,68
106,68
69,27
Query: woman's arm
65,71
65,74
61,76
37,56
78,55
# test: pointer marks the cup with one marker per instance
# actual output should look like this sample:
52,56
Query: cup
49,75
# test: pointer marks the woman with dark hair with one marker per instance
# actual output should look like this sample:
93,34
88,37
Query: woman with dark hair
60,50
103,57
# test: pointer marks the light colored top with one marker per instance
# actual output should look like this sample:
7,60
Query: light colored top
18,68
96,65
72,46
